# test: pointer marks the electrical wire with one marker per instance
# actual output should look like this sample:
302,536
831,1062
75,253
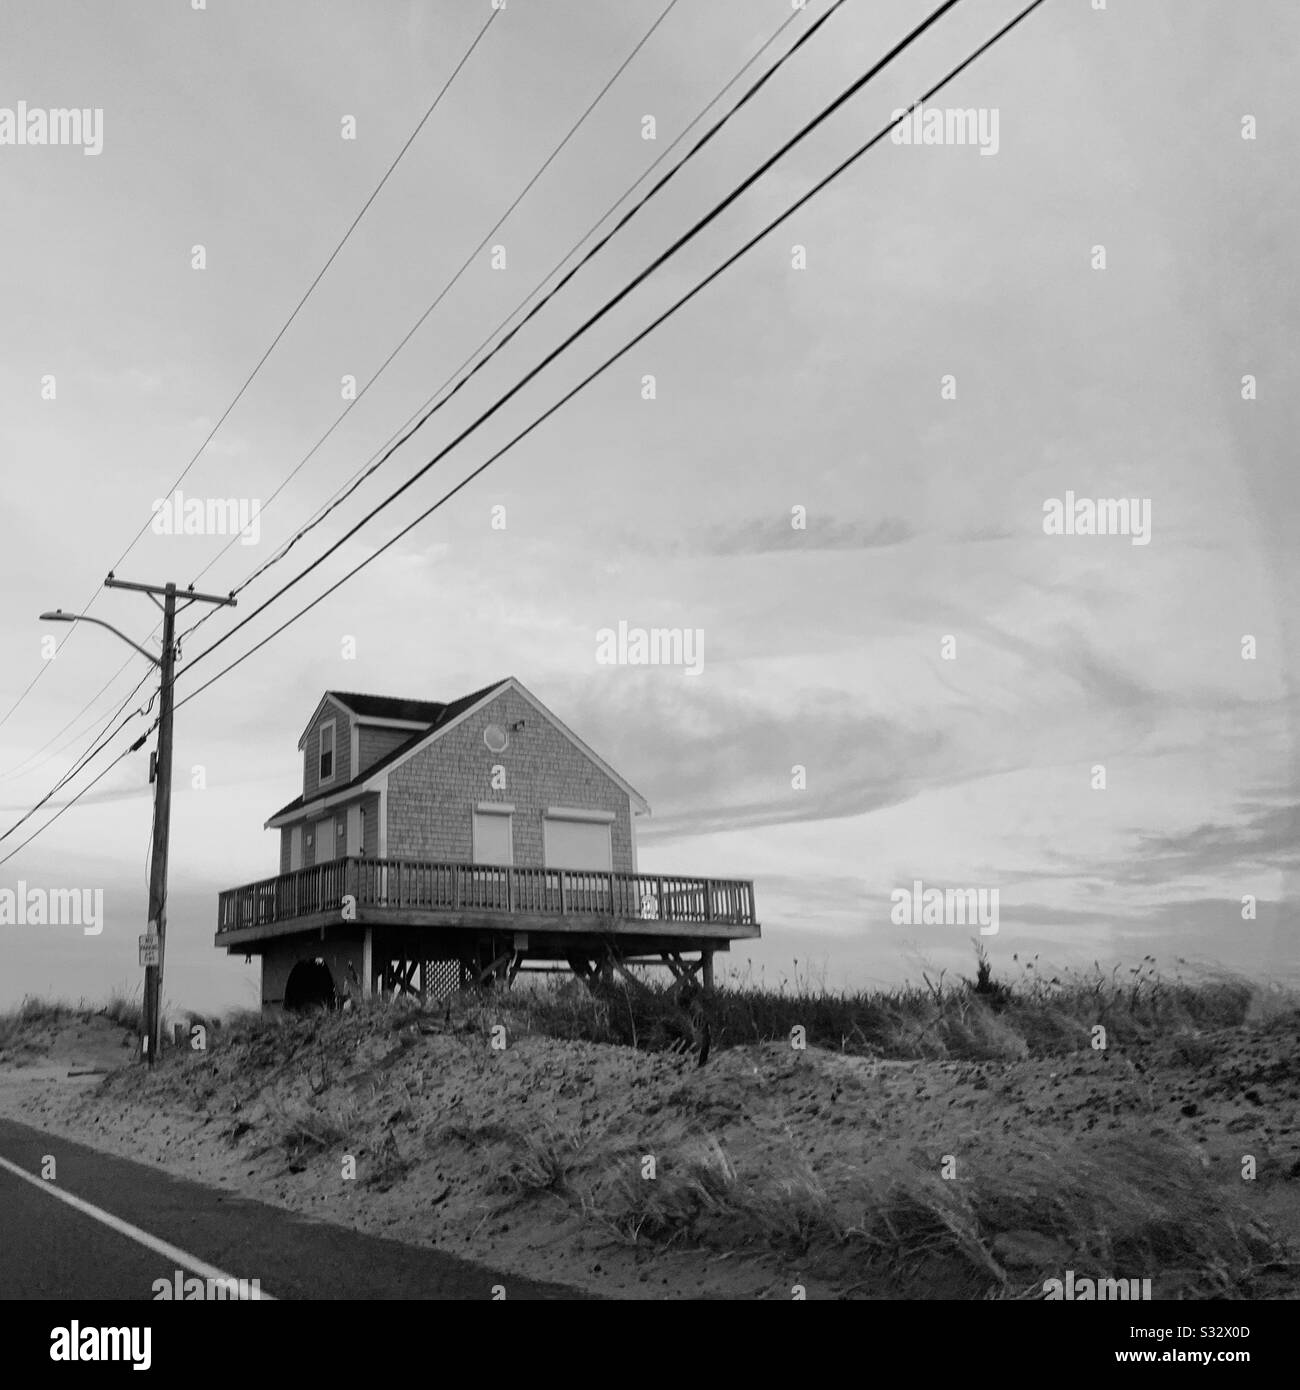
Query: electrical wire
609,361
436,401
451,284
36,752
89,755
320,274
595,318
71,802
818,187
274,342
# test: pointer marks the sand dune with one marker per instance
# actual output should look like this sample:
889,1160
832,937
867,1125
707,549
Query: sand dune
634,1174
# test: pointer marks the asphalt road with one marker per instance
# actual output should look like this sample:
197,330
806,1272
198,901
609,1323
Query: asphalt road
52,1250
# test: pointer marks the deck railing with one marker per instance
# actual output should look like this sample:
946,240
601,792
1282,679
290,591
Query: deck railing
396,885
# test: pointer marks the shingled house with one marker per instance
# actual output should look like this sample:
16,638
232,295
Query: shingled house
439,845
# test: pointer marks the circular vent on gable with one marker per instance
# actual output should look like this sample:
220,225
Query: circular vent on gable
496,738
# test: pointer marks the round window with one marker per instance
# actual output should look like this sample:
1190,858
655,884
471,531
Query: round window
496,738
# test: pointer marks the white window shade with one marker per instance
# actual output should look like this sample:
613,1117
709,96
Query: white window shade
493,842
577,844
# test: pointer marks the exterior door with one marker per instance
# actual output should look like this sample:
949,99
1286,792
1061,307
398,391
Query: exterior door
354,832
325,835
295,848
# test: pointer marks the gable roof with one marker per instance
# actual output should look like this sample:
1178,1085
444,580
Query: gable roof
386,708
371,704
390,707
447,715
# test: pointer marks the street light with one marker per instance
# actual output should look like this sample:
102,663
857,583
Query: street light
151,1004
59,616
152,959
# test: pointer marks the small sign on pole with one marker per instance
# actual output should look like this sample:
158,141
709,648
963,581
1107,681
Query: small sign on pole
148,950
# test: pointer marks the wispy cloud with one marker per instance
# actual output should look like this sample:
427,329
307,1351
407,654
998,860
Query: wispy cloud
771,535
715,761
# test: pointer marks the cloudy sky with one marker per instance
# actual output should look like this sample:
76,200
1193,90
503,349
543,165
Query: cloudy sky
945,355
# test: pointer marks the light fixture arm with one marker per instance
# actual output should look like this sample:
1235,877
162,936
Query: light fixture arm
59,616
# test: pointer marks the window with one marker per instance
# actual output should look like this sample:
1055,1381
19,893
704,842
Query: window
575,839
326,770
492,835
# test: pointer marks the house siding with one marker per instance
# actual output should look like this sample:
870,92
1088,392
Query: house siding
431,796
373,744
342,752
337,815
369,831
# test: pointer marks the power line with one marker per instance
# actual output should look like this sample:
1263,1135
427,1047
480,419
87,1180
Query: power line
609,361
611,303
99,743
391,356
35,753
274,342
320,274
699,145
101,719
27,689
428,409
102,740
68,805
423,412
835,173
451,284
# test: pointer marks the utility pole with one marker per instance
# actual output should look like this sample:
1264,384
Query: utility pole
162,823
152,944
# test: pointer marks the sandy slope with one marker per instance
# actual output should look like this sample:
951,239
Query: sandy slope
456,1144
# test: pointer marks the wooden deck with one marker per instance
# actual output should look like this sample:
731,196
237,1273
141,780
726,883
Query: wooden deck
415,894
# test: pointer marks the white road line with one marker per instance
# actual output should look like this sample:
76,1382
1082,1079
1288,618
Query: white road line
124,1228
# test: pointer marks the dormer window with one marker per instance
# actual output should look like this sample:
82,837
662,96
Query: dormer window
325,770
